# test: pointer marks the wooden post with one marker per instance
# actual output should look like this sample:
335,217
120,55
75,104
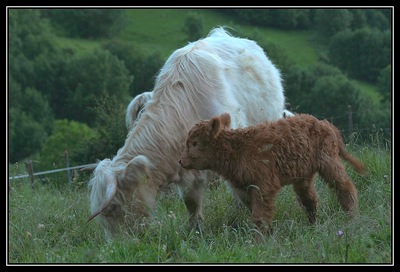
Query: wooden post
66,157
350,119
29,169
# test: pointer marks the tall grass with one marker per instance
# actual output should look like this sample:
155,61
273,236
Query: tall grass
46,225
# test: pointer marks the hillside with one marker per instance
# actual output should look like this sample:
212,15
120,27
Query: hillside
161,30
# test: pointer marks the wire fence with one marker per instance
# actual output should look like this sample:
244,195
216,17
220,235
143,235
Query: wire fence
67,170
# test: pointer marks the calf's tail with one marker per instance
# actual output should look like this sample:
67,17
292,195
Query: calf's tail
356,163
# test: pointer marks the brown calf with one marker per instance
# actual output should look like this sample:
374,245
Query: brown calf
258,160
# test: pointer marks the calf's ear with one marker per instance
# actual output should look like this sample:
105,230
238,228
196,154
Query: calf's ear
225,120
215,125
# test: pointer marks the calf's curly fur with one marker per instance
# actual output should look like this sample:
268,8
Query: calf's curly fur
258,160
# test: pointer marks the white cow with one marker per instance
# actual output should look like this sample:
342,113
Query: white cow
220,73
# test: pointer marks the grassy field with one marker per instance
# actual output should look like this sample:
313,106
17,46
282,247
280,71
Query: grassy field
46,225
164,32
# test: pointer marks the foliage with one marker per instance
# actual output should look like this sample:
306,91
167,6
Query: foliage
328,22
30,38
67,137
359,18
334,94
88,77
275,17
194,26
110,131
379,18
25,135
30,121
143,67
297,83
385,83
87,23
30,116
362,53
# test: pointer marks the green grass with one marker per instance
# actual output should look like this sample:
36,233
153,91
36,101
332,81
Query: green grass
163,32
80,46
47,225
295,44
155,30
367,89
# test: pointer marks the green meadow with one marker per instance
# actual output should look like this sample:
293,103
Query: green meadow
47,224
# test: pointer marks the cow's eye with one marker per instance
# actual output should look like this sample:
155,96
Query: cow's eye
194,144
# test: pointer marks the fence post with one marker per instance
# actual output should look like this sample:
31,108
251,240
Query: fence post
350,119
29,169
66,157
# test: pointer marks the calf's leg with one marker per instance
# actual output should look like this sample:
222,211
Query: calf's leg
262,211
334,174
307,196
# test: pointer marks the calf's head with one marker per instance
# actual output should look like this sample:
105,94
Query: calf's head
200,143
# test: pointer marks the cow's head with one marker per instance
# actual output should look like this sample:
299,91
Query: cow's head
121,194
200,143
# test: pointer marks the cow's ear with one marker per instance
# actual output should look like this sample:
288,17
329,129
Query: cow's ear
137,170
215,124
225,120
111,189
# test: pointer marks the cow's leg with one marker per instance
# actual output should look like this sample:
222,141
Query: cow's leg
307,196
193,196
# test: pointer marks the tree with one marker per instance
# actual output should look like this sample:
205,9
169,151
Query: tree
330,97
194,26
87,78
31,45
361,53
87,23
379,18
284,18
385,84
110,132
30,121
359,18
67,135
143,67
330,21
29,38
25,135
297,83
